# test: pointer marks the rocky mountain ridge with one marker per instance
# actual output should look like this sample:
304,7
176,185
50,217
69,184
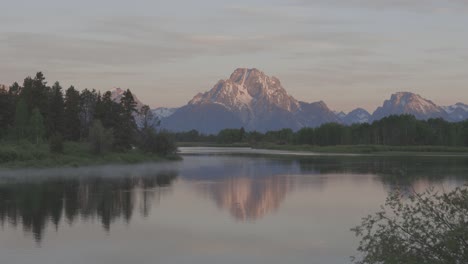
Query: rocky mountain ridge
251,99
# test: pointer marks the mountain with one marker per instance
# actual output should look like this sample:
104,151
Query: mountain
340,115
357,116
409,103
117,93
457,112
163,112
251,99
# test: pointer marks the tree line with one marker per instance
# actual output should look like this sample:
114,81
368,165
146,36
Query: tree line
402,130
40,113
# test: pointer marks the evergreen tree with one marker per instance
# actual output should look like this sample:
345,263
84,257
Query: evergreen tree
107,111
7,110
15,89
56,122
71,114
100,138
126,127
36,93
36,126
88,100
21,119
148,120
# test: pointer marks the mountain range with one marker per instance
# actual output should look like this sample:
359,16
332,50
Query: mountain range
251,99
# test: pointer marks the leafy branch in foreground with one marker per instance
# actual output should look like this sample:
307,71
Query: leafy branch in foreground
423,228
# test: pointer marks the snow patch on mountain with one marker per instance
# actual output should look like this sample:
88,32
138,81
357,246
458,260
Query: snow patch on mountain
451,108
163,112
457,112
357,116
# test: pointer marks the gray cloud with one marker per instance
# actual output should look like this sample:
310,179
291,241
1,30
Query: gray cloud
406,5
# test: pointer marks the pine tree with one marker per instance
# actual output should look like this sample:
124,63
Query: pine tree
126,126
7,110
71,114
36,126
21,119
148,120
56,122
88,100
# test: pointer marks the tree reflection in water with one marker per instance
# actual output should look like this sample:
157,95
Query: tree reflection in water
35,204
252,188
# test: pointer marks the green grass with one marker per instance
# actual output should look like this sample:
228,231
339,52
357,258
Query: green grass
25,154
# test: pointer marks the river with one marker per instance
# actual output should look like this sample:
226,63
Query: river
217,205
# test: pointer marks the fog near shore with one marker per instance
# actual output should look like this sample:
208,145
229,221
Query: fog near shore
137,170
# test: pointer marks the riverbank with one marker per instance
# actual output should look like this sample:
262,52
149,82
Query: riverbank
27,155
347,149
368,149
213,144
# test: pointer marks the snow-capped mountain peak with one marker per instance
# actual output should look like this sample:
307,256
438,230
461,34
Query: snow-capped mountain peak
451,108
409,103
457,112
247,89
251,99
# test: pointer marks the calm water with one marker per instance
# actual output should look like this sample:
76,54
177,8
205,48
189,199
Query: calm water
208,208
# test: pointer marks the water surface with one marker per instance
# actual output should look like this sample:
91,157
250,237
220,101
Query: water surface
209,208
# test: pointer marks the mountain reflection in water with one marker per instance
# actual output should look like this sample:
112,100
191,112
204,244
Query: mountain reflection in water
249,199
251,188
248,188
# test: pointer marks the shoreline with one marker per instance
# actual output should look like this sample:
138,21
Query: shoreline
75,155
376,150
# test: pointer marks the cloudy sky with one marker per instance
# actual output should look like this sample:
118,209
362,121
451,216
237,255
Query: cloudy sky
348,53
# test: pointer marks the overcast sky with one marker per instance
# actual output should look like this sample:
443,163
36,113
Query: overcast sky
348,53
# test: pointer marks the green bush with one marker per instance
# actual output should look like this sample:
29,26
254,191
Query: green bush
428,228
160,143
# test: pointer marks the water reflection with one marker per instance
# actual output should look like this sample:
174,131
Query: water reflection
248,199
408,173
248,188
251,188
35,203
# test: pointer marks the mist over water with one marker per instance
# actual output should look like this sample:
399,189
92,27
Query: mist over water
207,208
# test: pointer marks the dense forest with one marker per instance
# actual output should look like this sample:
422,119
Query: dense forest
403,130
39,113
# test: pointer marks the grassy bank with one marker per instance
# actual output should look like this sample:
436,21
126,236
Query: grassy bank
25,154
213,144
352,149
367,149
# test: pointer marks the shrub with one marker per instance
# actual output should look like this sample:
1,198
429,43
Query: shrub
160,143
428,228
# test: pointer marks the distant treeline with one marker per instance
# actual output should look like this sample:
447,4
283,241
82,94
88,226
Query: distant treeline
40,113
403,130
